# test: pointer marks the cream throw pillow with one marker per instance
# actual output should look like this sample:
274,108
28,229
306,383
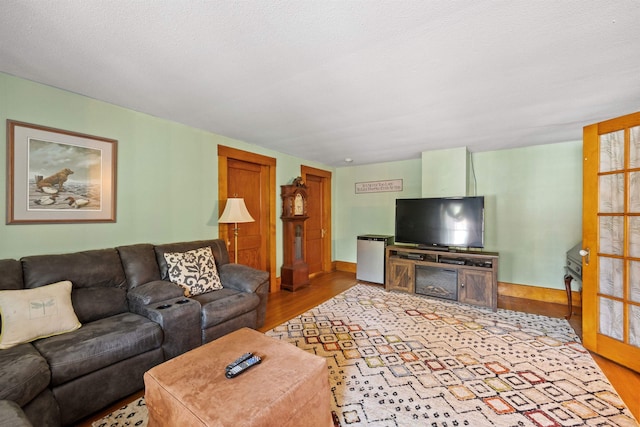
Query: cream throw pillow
194,270
29,314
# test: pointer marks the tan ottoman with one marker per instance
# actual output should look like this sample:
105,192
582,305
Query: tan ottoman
289,388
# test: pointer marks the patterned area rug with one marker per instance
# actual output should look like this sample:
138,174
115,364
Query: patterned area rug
131,414
404,360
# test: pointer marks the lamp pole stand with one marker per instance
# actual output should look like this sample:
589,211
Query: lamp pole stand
235,243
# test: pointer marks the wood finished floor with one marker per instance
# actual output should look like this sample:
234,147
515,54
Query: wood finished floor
284,305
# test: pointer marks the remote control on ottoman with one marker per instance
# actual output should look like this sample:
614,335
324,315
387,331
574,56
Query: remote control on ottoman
238,361
237,370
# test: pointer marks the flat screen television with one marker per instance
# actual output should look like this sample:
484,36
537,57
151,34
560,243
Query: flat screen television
441,222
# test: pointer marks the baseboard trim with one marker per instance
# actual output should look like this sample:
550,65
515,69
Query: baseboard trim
349,267
536,293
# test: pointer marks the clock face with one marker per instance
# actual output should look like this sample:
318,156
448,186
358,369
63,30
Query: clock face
298,205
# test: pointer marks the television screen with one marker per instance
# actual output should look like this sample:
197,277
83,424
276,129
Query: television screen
441,221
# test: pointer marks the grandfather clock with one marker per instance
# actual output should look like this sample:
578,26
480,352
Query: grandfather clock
295,271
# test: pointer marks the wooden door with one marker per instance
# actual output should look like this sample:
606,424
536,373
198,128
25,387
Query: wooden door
611,240
318,225
244,180
252,177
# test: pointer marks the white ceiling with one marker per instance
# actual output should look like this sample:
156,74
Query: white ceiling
324,80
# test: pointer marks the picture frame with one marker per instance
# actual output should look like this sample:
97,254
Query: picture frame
59,176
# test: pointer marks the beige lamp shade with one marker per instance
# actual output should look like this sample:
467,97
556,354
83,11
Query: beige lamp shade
235,211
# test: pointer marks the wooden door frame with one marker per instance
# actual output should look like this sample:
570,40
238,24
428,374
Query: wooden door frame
327,264
589,205
225,153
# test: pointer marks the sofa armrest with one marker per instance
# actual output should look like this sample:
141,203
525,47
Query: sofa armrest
247,279
242,278
153,292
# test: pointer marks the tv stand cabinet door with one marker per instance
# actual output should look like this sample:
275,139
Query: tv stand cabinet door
400,275
477,287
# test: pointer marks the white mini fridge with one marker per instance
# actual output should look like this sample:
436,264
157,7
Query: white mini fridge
370,257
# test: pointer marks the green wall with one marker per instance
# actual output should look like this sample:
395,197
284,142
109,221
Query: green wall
167,177
167,188
533,206
369,213
534,209
444,172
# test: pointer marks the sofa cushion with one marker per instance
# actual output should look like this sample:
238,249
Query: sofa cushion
99,268
29,314
24,372
139,262
225,304
11,277
98,344
93,304
195,271
95,268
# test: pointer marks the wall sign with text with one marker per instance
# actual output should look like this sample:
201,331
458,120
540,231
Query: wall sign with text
379,186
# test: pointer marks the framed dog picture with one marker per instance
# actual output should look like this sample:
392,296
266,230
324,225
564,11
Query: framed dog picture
57,176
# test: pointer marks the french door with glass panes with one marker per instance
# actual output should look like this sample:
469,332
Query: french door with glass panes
611,239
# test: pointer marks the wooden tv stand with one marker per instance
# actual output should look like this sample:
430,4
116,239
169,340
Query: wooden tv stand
471,276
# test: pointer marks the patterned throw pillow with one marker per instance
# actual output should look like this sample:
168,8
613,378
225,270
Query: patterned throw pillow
194,270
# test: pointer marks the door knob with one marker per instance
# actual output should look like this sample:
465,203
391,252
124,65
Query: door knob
584,253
